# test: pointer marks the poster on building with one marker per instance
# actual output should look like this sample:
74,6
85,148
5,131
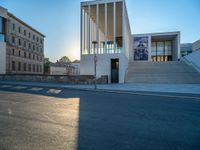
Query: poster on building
140,48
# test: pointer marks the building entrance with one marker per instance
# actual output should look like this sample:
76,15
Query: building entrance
161,51
114,70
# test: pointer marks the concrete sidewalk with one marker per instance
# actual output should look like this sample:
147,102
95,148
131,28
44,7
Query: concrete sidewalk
169,88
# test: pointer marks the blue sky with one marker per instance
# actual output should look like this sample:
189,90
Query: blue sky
59,20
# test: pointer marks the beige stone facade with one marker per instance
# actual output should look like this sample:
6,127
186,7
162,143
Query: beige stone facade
24,46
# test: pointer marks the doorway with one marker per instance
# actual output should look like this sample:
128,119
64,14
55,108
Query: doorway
114,70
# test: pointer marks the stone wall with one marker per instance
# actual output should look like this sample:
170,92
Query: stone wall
65,79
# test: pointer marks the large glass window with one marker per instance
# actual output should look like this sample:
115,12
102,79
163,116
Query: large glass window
161,50
1,30
1,25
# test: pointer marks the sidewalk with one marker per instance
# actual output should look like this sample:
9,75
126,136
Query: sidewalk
169,88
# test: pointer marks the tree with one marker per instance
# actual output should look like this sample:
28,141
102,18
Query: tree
65,59
47,65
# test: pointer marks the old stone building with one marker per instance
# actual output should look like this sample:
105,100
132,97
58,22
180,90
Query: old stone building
22,46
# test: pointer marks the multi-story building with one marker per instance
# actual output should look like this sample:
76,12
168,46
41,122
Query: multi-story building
21,46
108,47
105,39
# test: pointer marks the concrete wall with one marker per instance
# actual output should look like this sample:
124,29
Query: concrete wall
193,59
57,70
103,65
54,78
196,45
2,57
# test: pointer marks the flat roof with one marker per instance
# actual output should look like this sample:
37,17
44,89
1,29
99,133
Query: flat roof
158,33
93,2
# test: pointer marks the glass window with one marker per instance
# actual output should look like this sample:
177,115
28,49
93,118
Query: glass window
19,42
29,46
160,48
153,48
19,53
13,52
1,25
13,39
25,32
33,67
168,47
29,67
24,66
24,54
33,37
13,27
13,65
19,66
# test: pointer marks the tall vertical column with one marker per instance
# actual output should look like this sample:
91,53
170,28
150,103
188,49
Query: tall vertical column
81,28
106,28
123,28
114,26
97,27
83,31
88,30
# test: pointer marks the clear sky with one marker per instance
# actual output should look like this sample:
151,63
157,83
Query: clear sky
59,20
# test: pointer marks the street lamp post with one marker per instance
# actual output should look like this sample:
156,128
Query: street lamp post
95,64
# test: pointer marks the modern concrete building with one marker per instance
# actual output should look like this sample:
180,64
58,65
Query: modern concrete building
108,47
105,39
163,46
21,46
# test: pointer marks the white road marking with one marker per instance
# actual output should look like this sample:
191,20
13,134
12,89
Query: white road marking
54,91
36,89
6,86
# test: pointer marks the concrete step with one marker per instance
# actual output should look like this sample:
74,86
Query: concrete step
161,72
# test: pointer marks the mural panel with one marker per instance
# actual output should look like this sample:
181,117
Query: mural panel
140,48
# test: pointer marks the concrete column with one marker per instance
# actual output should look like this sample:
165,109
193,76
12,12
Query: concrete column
97,27
81,30
106,29
149,48
114,26
123,26
88,34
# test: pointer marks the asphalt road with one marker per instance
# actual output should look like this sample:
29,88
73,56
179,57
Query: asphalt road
61,119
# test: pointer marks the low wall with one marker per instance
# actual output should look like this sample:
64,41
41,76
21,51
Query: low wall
193,59
65,79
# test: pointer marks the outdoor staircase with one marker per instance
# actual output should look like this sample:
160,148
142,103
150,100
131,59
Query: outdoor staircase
172,72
